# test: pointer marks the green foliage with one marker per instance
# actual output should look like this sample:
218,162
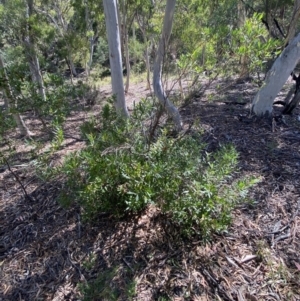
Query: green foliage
101,52
107,286
58,137
136,51
6,123
120,171
252,42
101,288
229,50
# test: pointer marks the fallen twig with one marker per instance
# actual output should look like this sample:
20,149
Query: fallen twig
27,196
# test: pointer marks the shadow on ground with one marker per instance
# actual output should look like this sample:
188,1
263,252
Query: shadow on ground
48,253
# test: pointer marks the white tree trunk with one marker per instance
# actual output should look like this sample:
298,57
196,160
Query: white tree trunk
115,58
158,64
276,78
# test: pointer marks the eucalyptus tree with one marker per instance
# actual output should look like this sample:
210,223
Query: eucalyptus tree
60,14
30,50
125,19
88,22
144,18
115,57
282,68
158,66
292,28
17,22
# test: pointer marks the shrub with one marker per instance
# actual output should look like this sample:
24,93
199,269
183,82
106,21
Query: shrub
120,172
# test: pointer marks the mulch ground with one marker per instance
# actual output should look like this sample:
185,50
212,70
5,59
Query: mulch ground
48,253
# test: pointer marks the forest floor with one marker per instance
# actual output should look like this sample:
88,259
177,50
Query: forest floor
48,253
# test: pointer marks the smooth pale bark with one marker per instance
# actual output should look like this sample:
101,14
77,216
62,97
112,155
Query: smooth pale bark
158,64
124,35
293,22
10,101
31,54
115,58
276,78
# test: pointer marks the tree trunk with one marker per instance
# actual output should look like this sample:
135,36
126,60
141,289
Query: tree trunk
69,47
294,21
158,64
11,102
71,63
115,59
147,55
241,19
91,40
290,106
126,48
276,78
125,45
241,14
31,54
92,48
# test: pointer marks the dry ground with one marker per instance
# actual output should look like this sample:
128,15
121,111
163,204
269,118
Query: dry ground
46,251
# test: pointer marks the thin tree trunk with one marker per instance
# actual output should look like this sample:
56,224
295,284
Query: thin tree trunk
147,55
90,62
158,64
293,22
134,39
124,39
32,57
71,63
276,78
244,60
11,102
65,29
290,106
91,40
62,29
127,63
115,58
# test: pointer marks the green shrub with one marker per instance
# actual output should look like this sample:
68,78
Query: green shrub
120,171
115,283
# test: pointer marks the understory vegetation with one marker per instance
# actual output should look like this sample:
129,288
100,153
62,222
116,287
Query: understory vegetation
123,170
96,206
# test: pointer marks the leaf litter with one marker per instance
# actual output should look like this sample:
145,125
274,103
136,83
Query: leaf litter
46,252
